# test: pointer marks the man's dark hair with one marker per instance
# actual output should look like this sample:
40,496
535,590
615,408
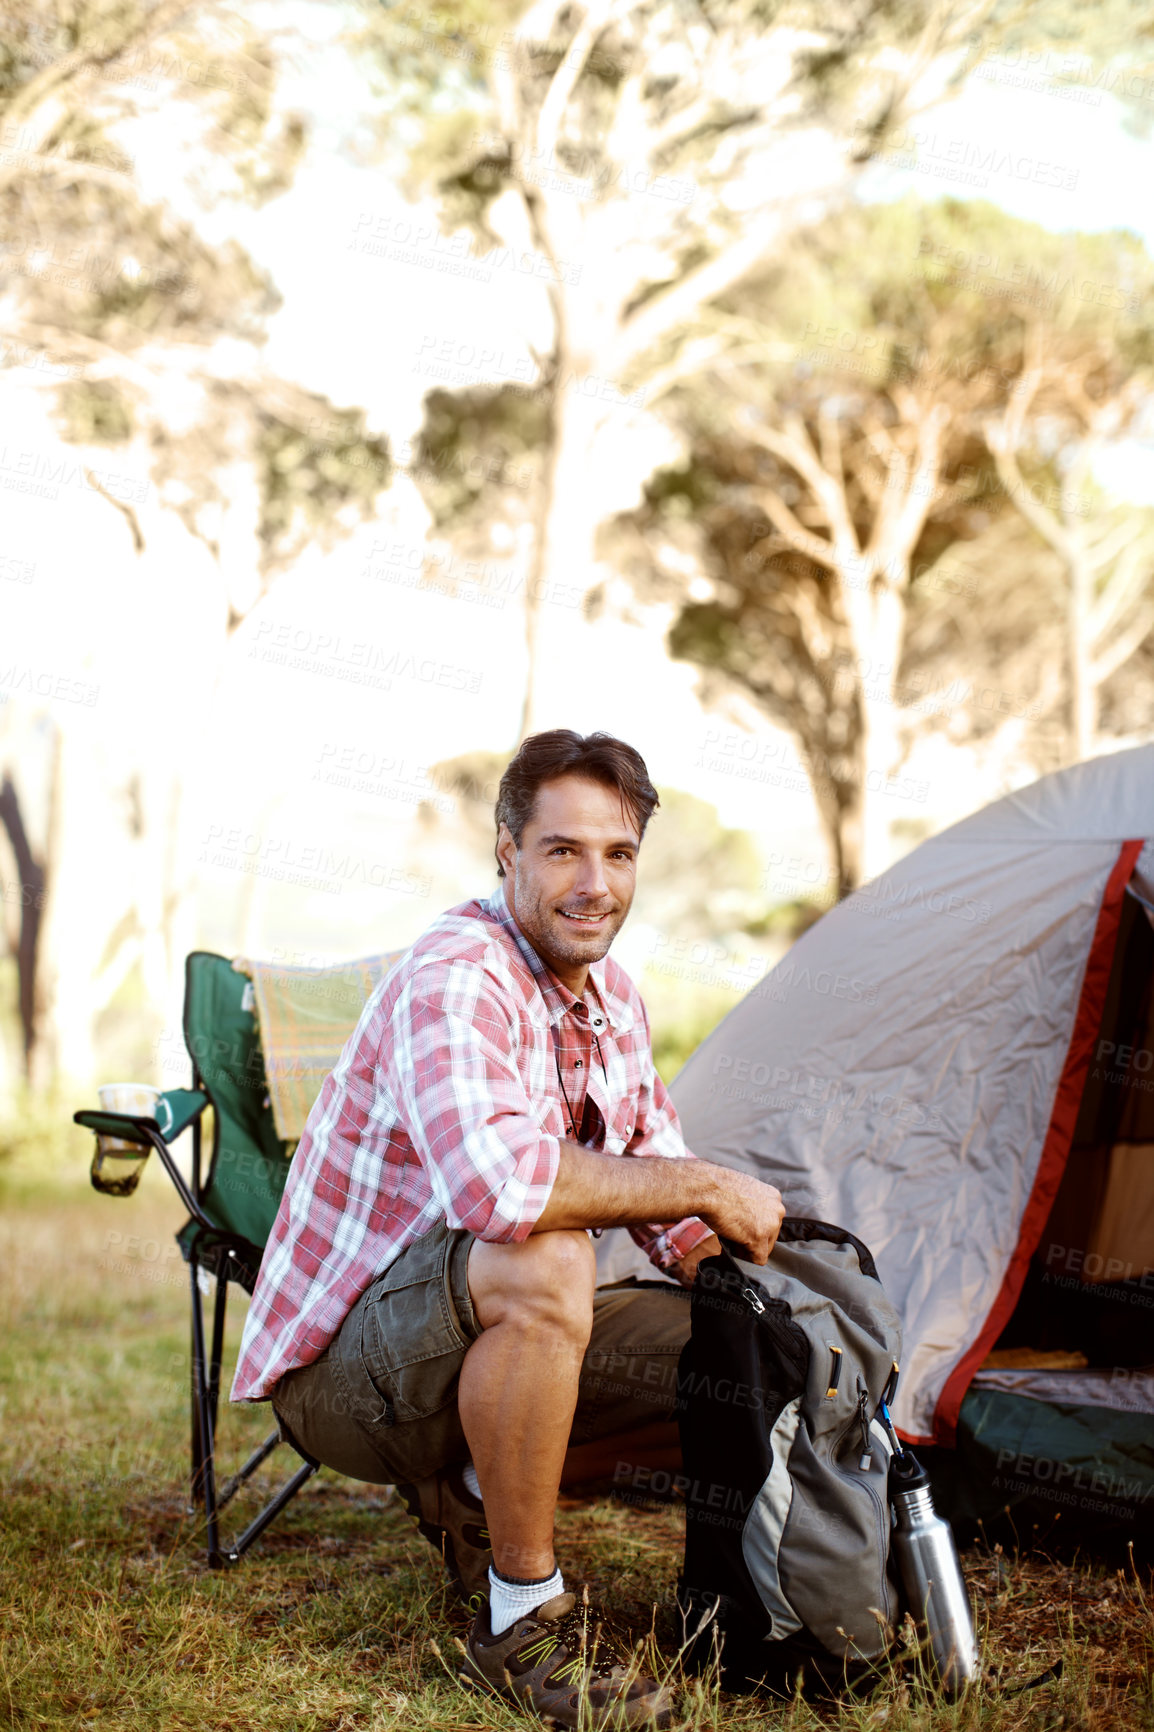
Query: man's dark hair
561,752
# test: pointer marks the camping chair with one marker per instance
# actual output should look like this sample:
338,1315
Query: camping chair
231,1207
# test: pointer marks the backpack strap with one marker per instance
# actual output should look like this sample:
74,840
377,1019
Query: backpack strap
797,1229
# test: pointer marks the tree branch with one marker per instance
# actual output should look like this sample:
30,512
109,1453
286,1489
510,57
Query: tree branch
1123,647
87,58
801,539
69,168
124,509
829,444
792,444
695,357
1123,587
681,300
1046,523
908,520
695,121
552,112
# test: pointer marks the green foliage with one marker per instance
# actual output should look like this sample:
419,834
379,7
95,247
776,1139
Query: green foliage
474,777
95,412
786,921
951,285
235,83
942,301
38,1141
680,1019
476,446
698,878
87,256
318,472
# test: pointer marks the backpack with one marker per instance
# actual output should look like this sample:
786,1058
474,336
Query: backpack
787,1531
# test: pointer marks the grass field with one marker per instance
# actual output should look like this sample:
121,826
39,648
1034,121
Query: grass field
339,1619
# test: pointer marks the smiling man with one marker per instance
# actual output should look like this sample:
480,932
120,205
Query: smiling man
426,1312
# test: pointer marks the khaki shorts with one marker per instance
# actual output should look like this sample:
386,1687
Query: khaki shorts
380,1404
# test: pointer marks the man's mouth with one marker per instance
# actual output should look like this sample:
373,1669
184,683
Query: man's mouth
590,920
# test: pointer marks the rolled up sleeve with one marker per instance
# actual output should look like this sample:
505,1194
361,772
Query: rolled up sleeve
450,1065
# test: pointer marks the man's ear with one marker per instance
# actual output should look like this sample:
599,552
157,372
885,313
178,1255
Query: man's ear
507,850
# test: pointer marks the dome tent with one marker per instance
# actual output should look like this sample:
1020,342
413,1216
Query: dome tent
956,1063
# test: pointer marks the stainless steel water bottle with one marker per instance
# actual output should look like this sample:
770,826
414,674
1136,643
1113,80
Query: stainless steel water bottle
931,1574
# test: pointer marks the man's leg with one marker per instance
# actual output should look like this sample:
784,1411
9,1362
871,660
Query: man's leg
517,1396
518,1385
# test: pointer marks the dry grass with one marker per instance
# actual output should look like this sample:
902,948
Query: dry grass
338,1620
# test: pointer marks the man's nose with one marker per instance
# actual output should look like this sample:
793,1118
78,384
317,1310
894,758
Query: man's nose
591,876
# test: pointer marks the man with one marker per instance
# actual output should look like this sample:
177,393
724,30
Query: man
425,1312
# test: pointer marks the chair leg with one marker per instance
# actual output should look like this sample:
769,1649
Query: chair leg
206,1379
218,1310
198,1442
260,1454
205,1420
271,1511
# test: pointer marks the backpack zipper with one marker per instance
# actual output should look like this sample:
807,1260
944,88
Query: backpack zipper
866,1459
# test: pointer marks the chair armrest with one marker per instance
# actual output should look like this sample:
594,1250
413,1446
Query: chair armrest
177,1108
128,1129
175,1111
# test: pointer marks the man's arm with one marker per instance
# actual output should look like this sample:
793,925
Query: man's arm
596,1190
676,1247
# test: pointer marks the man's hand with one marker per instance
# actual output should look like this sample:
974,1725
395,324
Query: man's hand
746,1211
686,1270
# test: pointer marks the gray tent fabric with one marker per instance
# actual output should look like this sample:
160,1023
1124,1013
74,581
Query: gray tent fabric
897,1071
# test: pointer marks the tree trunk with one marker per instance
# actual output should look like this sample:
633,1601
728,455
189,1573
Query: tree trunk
562,568
81,863
840,811
29,893
880,729
835,762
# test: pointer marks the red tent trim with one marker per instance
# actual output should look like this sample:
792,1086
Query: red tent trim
1056,1148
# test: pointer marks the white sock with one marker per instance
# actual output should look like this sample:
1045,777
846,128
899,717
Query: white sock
469,1475
509,1601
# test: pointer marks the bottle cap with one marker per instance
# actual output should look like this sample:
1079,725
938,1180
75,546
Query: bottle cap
907,1474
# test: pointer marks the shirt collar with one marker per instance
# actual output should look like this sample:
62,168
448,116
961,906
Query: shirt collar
557,996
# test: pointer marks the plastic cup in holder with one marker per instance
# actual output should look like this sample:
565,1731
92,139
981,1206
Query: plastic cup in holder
118,1164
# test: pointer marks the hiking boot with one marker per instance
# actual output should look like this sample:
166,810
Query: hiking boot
453,1522
562,1663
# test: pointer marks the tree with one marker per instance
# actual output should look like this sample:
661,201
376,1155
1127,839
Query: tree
1081,390
645,157
650,156
120,309
837,466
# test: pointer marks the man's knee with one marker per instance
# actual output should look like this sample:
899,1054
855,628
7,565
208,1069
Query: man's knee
548,1279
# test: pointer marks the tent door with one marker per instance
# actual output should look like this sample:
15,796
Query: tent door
1090,1287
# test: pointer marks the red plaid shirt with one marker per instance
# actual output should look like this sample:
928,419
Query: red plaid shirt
446,1105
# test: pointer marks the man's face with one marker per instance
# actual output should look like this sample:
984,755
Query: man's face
570,884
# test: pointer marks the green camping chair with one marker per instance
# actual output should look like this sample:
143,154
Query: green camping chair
231,1208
